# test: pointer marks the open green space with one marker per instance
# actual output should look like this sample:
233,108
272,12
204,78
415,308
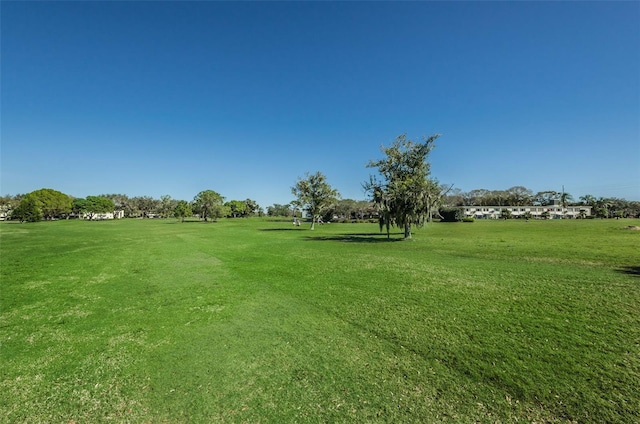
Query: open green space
252,320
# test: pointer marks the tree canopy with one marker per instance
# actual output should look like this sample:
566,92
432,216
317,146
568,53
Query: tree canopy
182,210
51,203
27,210
402,189
314,194
209,204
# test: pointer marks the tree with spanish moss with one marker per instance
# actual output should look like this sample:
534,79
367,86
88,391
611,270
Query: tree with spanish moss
402,190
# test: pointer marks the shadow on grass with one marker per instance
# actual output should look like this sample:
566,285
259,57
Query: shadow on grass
191,222
358,238
630,270
284,229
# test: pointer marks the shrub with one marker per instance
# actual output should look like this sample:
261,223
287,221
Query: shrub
469,219
451,214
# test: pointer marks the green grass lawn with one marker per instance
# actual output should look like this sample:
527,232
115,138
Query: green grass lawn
254,320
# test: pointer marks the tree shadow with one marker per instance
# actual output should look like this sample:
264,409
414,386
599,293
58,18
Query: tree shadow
283,229
358,238
630,270
190,222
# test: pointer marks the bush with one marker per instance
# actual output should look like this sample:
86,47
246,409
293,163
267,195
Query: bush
468,220
451,215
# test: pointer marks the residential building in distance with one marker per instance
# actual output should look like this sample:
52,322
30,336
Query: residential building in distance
535,212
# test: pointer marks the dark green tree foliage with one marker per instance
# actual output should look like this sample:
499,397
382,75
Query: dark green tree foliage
403,191
123,203
182,210
98,204
314,194
252,207
209,204
238,208
166,206
92,205
144,205
451,214
79,206
279,210
27,210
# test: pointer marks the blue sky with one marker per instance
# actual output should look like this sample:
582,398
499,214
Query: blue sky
153,98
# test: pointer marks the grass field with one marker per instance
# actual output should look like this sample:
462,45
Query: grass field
259,321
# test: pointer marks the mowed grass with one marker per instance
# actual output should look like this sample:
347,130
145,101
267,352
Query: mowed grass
253,320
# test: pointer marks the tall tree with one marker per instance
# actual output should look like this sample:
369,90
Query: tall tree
92,205
123,203
28,210
98,204
166,206
79,206
279,210
588,200
52,203
237,208
565,198
182,210
403,190
545,198
346,208
252,207
519,196
143,205
314,194
209,204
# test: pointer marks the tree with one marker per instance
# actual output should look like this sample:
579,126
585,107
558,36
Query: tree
144,205
519,196
51,203
346,208
209,204
404,193
8,203
314,194
92,205
565,198
252,207
98,204
123,203
28,210
237,208
79,206
182,210
166,206
588,200
279,210
544,198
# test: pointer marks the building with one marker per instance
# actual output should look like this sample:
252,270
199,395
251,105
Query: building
102,216
540,212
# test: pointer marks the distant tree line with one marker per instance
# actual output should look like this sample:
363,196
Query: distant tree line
602,207
49,204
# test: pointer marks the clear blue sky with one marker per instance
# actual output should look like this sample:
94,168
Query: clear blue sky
153,98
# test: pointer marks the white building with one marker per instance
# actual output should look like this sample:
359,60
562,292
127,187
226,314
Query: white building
103,216
550,211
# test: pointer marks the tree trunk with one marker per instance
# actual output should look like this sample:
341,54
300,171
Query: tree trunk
407,231
313,222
